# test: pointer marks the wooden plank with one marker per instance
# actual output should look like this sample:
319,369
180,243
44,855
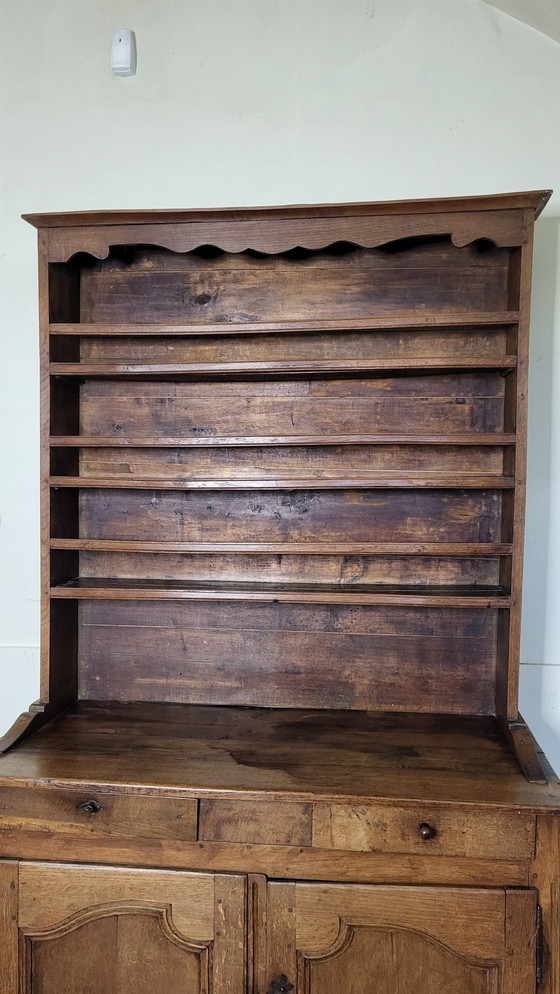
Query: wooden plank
290,548
278,861
345,516
545,878
9,958
460,402
345,570
229,953
86,588
421,319
269,294
398,621
380,481
535,200
385,438
263,823
516,414
519,961
278,944
288,462
278,654
481,342
59,412
291,754
405,684
468,385
397,322
525,749
285,366
48,680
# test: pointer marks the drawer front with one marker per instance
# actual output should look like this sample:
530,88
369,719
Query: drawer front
256,822
447,831
97,814
454,830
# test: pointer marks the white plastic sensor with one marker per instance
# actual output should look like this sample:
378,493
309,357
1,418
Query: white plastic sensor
123,53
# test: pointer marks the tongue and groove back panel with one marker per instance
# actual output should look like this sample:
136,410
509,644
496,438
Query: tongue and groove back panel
287,479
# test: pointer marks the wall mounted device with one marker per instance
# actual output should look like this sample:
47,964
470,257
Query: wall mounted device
123,53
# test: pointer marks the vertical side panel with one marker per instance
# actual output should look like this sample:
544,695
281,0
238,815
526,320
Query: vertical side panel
59,301
520,942
8,928
516,419
45,408
546,878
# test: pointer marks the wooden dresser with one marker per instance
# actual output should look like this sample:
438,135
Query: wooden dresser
277,747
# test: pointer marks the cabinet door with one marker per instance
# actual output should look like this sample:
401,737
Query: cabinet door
354,939
99,930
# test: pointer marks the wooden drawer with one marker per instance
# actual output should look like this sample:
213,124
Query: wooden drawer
96,814
447,831
121,819
456,831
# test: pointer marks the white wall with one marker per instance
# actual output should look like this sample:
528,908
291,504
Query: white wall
243,102
544,15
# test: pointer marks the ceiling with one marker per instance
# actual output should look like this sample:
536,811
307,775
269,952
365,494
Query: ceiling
543,15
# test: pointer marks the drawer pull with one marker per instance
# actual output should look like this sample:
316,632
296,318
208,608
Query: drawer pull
427,831
91,807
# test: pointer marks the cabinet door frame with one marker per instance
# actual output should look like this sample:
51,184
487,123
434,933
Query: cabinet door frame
283,962
202,913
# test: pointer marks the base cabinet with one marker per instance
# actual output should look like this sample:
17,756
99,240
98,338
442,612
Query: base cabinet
102,930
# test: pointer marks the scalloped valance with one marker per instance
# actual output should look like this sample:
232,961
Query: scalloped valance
502,219
503,228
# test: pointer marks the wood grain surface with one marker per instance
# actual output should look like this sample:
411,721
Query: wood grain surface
238,752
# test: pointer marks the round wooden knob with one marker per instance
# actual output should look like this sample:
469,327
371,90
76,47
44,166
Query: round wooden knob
427,831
